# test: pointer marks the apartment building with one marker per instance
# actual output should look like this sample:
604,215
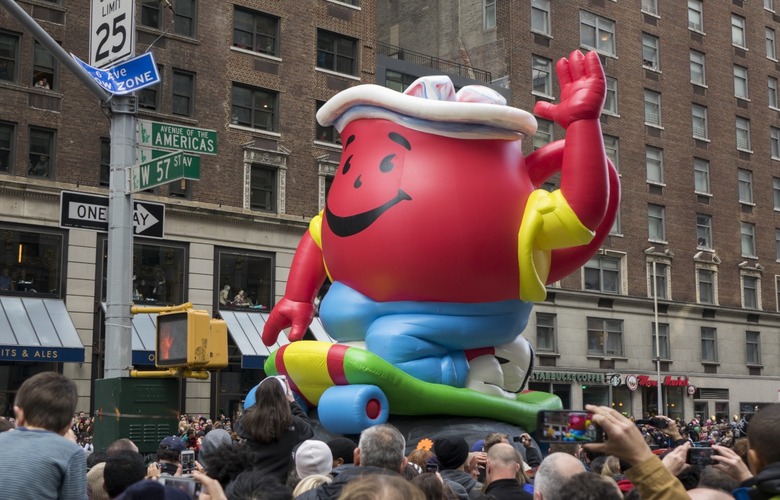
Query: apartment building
692,122
254,71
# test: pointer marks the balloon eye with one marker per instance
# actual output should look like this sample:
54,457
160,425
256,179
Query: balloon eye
387,163
347,165
358,182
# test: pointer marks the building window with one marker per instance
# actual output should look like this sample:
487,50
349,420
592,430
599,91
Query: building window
181,188
7,135
699,120
540,16
490,14
255,31
652,108
326,134
159,272
183,93
650,57
44,68
709,344
658,273
695,16
605,337
740,82
701,176
9,56
743,134
650,6
663,340
149,97
336,52
753,348
777,245
750,292
654,160
545,332
247,271
776,192
704,231
151,13
771,46
738,31
772,84
769,5
774,142
105,161
698,74
655,223
542,76
706,284
41,153
745,181
398,81
33,262
254,107
747,233
263,188
611,101
602,274
612,148
597,33
184,22
544,133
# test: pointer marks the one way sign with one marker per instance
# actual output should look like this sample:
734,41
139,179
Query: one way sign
90,211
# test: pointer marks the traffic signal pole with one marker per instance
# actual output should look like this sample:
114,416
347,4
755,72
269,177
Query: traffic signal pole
123,111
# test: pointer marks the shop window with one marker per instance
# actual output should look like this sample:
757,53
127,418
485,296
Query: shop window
326,134
7,135
32,261
563,391
722,411
336,52
701,410
245,280
605,337
159,272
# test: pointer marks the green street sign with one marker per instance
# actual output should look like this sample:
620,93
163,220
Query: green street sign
154,173
191,163
176,137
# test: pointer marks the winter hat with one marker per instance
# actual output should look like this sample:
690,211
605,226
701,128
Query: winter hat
452,452
479,445
212,441
313,457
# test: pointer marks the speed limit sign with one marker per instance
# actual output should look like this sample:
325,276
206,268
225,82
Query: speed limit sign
111,31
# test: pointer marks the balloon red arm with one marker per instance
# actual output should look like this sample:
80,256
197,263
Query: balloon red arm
296,309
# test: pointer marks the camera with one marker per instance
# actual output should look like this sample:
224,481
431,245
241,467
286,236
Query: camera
562,426
186,484
700,456
431,467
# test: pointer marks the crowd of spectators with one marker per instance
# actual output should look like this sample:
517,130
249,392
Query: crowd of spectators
271,453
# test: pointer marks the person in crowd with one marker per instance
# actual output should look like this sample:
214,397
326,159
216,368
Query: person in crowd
255,484
273,426
452,453
649,475
122,469
431,485
503,467
169,456
153,490
36,460
589,486
380,452
381,488
224,464
343,451
310,482
6,282
420,457
122,444
224,295
95,483
555,469
532,455
212,441
313,457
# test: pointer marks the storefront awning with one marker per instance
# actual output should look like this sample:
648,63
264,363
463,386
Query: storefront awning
246,330
143,340
38,330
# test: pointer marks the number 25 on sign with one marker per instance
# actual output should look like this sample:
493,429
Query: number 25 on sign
112,31
156,172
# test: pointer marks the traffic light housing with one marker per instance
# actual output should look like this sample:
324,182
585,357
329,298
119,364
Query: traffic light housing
190,339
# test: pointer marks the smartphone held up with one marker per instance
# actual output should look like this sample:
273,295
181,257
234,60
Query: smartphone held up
561,426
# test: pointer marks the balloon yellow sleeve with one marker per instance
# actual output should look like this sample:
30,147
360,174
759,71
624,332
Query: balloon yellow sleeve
315,228
548,223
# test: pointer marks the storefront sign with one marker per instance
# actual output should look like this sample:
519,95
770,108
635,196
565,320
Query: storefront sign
631,382
599,378
691,390
42,354
668,381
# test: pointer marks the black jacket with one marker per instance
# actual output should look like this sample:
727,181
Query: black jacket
333,490
763,486
508,489
473,487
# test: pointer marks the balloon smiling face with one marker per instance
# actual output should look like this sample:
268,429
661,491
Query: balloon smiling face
369,173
